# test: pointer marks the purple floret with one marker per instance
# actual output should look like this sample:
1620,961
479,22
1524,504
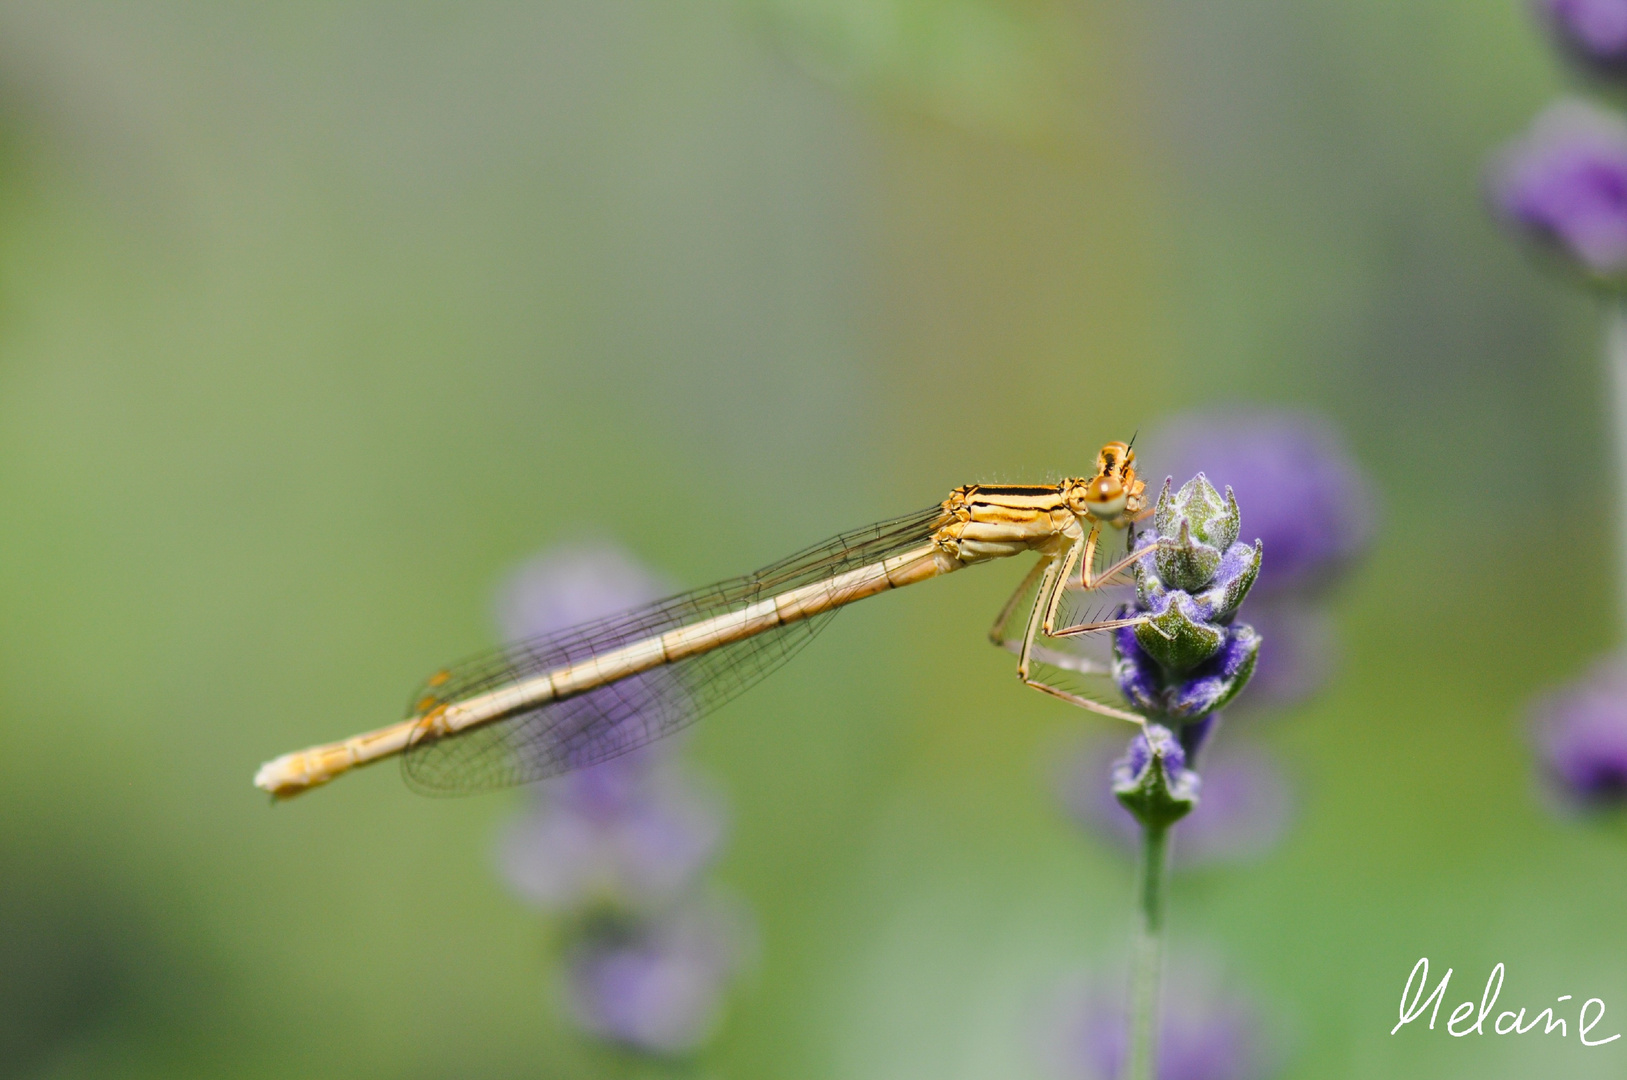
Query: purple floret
658,989
1580,733
1593,31
1243,813
1564,182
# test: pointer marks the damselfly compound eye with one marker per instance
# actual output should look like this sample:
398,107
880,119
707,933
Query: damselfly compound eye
1105,498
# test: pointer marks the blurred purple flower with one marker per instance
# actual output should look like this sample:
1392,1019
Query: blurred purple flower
658,987
564,587
1592,31
622,844
1298,652
570,584
1580,733
1302,493
1564,183
632,833
1242,810
1207,1033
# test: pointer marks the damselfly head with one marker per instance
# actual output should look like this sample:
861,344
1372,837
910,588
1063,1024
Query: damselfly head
1114,492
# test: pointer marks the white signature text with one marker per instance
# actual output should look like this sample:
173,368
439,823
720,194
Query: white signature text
1469,1018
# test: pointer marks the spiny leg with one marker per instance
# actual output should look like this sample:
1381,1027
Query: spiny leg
997,632
1062,578
1089,581
1083,702
1050,586
1047,585
1085,580
1103,625
1104,576
1050,590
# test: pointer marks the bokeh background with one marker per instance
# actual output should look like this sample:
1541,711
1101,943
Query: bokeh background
315,320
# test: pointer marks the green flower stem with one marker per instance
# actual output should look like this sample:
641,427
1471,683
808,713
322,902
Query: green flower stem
1615,338
1152,889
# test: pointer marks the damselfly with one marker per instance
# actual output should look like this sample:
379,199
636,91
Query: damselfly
571,699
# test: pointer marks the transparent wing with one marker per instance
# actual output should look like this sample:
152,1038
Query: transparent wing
575,732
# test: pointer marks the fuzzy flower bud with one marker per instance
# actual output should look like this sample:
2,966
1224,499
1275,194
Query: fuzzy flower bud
1245,810
1153,782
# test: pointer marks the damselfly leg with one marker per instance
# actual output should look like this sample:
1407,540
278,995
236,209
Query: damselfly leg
1046,583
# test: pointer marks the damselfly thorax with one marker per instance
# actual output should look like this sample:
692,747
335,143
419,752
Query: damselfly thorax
567,700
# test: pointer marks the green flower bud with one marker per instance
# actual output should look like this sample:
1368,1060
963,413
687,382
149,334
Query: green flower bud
1153,782
1185,563
1178,638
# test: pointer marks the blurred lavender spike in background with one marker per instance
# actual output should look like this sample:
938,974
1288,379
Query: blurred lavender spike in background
625,843
631,833
657,988
573,583
1593,32
1580,733
1564,184
1301,653
1243,813
1208,1032
1303,495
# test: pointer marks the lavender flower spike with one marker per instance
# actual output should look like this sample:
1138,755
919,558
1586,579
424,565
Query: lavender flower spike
1564,184
1188,659
1581,737
630,834
1179,664
657,987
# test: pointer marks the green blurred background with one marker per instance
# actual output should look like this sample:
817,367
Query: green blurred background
315,319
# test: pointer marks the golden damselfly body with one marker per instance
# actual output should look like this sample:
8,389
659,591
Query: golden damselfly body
574,698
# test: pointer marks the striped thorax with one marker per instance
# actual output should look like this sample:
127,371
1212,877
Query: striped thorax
991,522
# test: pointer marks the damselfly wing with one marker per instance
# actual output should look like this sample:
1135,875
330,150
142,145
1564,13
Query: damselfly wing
562,735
